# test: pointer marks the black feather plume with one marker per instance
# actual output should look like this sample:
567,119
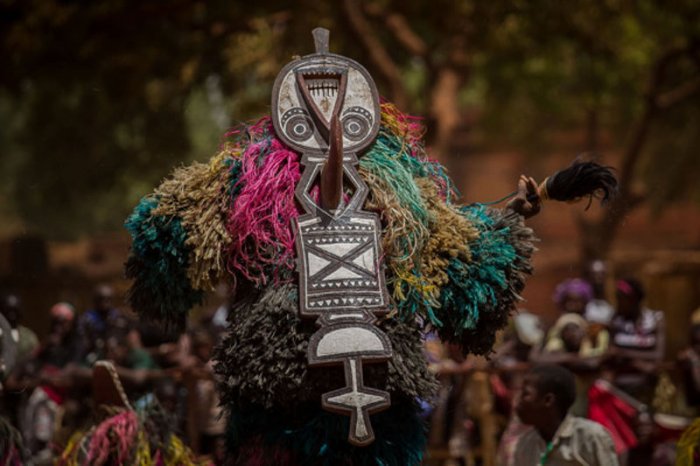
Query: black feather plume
582,179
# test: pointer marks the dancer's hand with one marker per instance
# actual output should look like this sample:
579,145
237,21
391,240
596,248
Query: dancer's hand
527,201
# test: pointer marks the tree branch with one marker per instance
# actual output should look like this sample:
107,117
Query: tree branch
679,94
641,130
599,236
377,52
404,34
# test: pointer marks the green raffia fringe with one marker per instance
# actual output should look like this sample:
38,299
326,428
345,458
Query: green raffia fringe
396,198
306,435
458,272
158,265
466,295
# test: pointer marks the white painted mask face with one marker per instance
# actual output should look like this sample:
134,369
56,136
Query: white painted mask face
308,92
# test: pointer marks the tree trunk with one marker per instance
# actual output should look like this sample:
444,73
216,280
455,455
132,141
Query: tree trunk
444,110
598,236
378,53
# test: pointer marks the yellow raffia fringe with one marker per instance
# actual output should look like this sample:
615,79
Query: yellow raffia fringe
143,451
405,237
178,454
198,195
688,443
450,234
69,456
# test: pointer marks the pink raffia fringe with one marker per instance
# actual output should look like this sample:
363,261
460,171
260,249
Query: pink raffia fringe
260,219
117,435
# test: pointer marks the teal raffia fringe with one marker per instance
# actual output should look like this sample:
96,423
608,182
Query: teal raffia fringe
305,435
260,178
481,293
412,156
158,265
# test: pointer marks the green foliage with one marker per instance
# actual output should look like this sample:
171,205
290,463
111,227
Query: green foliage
99,99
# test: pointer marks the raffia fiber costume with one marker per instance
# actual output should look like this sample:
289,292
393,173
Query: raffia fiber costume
451,268
123,434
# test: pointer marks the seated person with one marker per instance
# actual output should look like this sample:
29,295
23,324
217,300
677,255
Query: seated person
558,438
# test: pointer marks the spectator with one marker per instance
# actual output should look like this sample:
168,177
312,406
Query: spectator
449,421
512,360
689,361
210,423
558,438
511,357
637,343
134,365
8,350
571,339
572,296
26,339
598,309
45,405
96,324
633,359
60,347
26,343
572,343
522,335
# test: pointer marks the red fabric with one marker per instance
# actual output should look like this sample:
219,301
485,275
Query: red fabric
53,395
502,395
613,413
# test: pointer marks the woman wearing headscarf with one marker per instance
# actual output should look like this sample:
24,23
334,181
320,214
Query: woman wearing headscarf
572,341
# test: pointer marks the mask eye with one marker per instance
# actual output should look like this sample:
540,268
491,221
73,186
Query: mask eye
356,123
297,124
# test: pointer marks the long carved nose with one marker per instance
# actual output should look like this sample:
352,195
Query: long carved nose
332,172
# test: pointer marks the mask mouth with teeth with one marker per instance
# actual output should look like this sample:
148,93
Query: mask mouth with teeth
323,92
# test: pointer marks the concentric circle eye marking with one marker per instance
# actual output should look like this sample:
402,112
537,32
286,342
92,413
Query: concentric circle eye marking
357,123
297,124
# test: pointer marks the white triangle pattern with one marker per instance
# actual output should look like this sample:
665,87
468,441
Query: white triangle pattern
342,273
316,263
365,260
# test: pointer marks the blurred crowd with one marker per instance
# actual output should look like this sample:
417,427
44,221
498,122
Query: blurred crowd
615,349
614,346
47,395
